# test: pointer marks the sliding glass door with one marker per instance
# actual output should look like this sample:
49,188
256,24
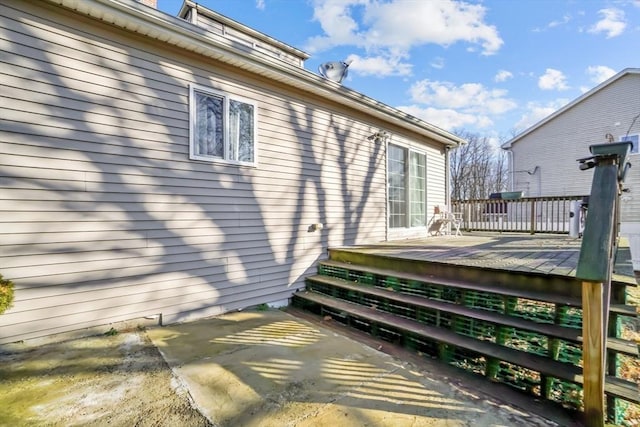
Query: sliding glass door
407,180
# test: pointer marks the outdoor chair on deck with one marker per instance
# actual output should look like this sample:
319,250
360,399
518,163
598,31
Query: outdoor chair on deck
442,219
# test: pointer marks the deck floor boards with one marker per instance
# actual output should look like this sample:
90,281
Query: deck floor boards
542,253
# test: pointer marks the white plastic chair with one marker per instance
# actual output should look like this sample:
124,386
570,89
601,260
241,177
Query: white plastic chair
443,217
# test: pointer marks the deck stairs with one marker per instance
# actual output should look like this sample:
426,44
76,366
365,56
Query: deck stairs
518,328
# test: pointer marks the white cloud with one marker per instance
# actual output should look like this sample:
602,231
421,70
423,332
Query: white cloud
379,66
437,63
612,23
469,97
553,24
553,80
400,25
260,4
447,118
565,20
335,19
599,73
536,112
451,106
502,76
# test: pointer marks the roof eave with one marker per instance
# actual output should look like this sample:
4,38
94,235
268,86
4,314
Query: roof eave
189,4
507,145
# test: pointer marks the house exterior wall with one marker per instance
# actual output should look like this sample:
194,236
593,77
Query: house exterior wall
104,217
544,161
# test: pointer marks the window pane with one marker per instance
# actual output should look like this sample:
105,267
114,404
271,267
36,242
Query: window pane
397,189
635,139
208,127
417,186
241,132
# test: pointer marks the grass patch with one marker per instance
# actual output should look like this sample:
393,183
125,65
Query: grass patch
6,294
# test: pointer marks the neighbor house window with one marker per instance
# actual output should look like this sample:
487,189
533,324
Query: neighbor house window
635,140
407,171
222,127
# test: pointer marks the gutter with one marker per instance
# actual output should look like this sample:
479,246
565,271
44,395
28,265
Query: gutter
138,18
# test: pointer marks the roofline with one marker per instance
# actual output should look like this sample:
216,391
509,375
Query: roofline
225,20
507,145
147,21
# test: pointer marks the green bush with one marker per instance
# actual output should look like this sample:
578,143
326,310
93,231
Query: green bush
6,294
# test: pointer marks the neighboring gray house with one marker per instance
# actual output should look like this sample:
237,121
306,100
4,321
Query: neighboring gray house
179,166
543,158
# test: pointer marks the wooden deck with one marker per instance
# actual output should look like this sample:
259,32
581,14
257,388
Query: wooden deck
545,254
506,306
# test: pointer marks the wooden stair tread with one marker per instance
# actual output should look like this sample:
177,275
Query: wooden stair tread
622,346
531,361
544,365
556,331
539,296
624,389
489,316
625,310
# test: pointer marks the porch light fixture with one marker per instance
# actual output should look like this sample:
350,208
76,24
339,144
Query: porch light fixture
378,136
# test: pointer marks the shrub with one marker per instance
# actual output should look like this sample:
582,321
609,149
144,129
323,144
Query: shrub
6,294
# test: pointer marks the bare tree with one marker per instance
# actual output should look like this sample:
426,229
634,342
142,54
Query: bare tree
477,168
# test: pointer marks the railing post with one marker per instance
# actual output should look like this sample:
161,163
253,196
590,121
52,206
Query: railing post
595,268
533,217
593,343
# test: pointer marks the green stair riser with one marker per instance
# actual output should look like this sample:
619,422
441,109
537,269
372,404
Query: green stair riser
556,389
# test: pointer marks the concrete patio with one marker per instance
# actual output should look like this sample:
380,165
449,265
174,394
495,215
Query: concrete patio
269,368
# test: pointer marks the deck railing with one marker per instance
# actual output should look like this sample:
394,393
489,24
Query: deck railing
527,214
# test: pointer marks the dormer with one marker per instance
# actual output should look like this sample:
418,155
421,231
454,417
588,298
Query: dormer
242,37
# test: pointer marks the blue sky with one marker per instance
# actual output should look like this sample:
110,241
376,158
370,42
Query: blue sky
492,67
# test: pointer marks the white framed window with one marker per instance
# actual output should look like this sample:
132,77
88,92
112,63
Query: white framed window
222,127
635,139
407,177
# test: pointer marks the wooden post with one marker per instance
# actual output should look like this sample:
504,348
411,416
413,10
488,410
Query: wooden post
593,335
595,269
533,217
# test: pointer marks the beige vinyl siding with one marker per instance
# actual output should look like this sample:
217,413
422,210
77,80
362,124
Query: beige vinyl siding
104,218
556,146
630,200
436,179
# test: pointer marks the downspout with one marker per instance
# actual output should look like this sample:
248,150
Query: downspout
447,180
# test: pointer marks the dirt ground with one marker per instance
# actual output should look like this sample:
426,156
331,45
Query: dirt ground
111,379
